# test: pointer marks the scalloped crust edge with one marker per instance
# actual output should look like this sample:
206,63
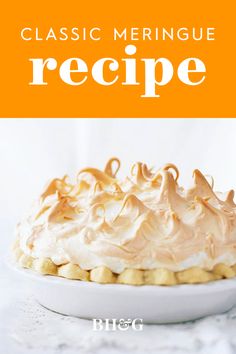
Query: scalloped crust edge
103,275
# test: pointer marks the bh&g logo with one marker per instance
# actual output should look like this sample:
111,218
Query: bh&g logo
113,324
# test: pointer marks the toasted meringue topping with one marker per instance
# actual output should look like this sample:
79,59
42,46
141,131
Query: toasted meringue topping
145,221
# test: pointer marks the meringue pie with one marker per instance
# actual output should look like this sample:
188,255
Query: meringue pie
143,229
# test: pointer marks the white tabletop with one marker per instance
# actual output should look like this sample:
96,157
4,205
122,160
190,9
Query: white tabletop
28,328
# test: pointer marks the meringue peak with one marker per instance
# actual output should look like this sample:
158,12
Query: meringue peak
143,221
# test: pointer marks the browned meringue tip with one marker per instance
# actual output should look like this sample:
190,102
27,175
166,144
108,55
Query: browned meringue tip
109,168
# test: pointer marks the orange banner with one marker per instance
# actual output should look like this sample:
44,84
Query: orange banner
118,59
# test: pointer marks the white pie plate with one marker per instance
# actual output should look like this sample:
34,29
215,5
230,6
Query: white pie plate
153,304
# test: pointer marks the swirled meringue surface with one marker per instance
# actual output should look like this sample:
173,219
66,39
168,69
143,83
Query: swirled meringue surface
145,221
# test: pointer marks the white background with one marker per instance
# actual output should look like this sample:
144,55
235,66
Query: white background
35,150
